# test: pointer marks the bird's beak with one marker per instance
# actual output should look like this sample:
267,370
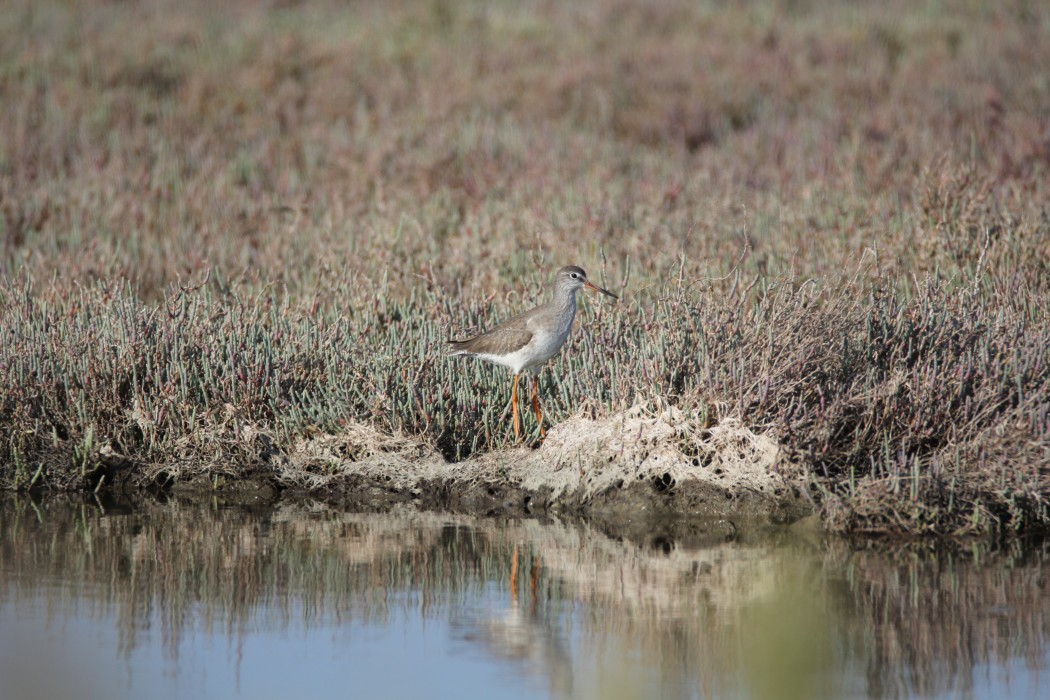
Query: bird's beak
595,288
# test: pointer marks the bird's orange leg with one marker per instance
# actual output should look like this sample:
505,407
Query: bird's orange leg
514,575
536,404
514,409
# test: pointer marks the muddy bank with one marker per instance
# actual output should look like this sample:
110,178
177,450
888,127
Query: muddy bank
642,465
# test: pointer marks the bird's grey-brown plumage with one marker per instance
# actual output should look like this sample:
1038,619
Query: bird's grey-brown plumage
501,340
527,341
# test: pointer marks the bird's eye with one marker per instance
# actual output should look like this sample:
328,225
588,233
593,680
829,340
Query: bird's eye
574,275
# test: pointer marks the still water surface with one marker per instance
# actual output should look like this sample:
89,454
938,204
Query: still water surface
180,600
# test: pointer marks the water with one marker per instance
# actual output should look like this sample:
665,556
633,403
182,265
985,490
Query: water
178,600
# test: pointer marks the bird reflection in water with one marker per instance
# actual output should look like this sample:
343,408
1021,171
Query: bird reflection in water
528,635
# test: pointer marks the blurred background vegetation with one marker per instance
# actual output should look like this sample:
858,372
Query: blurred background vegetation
828,220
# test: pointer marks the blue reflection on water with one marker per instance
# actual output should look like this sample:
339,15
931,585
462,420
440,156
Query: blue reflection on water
186,604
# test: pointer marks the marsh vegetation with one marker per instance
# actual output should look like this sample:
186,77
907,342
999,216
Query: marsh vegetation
231,230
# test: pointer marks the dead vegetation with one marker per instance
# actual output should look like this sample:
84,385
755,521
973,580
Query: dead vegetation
234,239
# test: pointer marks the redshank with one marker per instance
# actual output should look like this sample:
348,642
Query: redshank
528,340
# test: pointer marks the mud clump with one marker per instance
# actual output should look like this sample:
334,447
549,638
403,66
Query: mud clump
649,461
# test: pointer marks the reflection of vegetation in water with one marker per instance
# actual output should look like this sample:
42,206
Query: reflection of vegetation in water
773,615
931,618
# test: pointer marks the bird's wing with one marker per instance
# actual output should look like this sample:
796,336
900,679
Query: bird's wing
513,334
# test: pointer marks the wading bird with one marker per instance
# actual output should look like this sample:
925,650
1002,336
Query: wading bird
528,340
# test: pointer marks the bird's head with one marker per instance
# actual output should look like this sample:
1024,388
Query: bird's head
574,278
